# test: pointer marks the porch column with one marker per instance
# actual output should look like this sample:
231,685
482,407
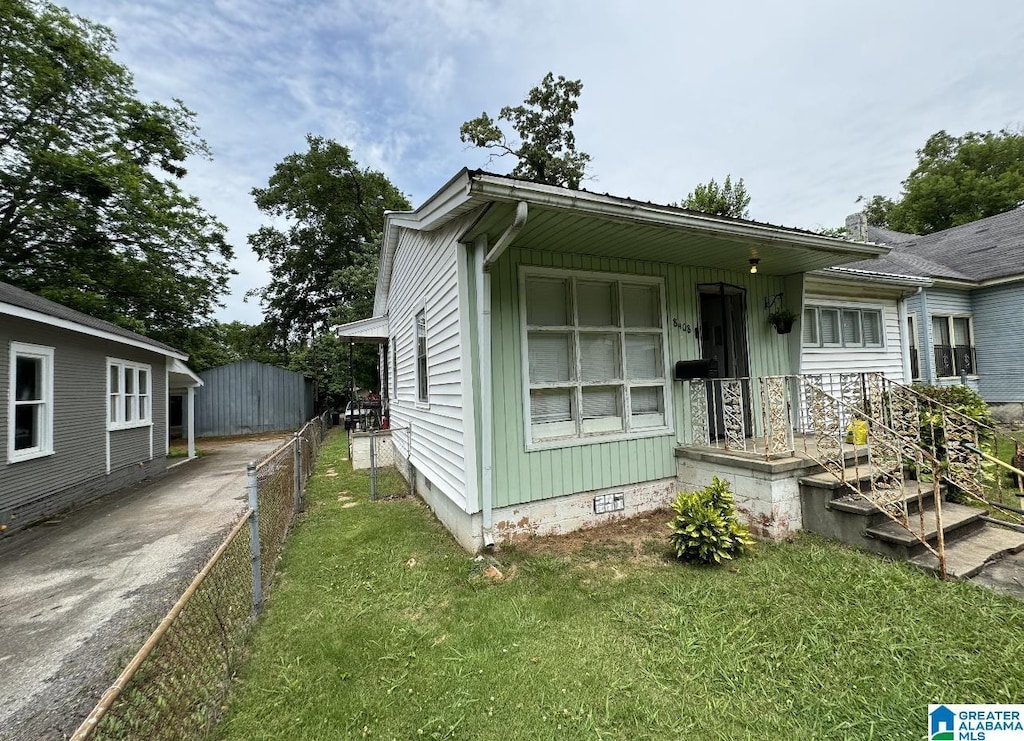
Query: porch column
191,421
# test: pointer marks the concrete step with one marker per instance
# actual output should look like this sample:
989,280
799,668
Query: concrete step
864,507
854,474
957,521
967,556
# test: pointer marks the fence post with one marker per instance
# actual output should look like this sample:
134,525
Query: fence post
297,471
373,466
254,538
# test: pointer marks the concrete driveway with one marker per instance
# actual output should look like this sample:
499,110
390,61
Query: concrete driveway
79,597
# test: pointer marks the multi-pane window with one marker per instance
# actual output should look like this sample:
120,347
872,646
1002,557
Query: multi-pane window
827,326
595,355
129,394
30,429
953,345
422,385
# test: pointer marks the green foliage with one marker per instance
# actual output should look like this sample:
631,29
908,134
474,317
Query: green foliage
966,401
782,318
90,213
705,528
958,179
723,200
323,263
546,147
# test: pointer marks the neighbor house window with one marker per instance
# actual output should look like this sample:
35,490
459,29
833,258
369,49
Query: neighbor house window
953,344
129,394
30,410
422,386
594,348
828,326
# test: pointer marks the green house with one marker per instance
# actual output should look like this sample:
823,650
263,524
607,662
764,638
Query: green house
536,346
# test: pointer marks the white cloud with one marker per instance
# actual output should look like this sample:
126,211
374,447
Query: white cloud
811,103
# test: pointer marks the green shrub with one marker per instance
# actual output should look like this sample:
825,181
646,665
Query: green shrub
968,402
705,528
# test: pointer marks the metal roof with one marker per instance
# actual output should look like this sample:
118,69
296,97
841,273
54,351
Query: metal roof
602,225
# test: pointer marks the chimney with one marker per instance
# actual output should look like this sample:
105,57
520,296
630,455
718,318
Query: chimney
857,227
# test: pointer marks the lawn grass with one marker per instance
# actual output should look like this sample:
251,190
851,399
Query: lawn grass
381,627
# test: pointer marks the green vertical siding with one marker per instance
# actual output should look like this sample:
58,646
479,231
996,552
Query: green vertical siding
521,476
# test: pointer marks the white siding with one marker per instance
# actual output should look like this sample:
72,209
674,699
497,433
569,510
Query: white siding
887,359
425,277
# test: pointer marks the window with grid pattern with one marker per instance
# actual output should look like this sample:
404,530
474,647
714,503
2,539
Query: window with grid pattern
595,356
830,326
130,392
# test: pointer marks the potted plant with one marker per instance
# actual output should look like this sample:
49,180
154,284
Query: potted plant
782,319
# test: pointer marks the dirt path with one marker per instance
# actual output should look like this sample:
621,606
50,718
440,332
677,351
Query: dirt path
77,598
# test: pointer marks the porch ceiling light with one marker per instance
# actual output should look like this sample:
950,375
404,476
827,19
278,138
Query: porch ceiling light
753,264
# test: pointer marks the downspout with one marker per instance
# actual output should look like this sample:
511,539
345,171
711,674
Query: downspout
485,260
929,350
901,312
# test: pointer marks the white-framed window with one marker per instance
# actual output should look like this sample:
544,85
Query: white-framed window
422,381
129,394
833,326
953,345
30,402
594,356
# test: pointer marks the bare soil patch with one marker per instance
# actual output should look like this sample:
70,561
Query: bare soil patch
640,537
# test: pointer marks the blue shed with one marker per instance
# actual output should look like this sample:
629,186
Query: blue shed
247,397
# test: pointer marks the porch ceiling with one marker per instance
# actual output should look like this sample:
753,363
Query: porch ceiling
618,237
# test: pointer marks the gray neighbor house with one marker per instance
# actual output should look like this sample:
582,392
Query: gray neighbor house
83,407
967,326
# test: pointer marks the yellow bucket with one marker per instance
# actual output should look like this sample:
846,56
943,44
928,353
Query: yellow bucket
857,432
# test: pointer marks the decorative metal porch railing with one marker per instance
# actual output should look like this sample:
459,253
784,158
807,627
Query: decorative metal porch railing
838,418
831,419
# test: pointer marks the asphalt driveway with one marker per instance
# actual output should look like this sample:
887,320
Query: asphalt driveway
78,597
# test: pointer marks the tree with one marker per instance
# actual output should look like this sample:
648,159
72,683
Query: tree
957,180
546,147
91,214
722,200
323,264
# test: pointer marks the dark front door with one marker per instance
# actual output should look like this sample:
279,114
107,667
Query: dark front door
723,338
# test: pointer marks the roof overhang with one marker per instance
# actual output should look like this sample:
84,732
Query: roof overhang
373,330
38,316
605,226
180,375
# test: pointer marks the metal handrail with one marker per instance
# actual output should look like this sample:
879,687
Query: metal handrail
905,443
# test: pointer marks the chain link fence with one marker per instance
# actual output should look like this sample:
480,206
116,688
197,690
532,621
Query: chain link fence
174,686
391,472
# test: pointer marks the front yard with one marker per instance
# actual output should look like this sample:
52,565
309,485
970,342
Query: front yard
381,627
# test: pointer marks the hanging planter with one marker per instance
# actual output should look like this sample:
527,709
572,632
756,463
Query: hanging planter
782,319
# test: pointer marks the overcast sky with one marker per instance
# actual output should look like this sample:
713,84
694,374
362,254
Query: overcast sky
812,103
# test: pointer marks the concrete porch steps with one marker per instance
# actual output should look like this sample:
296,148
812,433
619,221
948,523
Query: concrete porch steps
967,557
958,521
831,508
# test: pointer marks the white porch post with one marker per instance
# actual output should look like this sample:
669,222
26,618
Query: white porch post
191,421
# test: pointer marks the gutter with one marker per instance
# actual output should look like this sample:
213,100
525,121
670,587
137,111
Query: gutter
483,260
384,267
492,187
